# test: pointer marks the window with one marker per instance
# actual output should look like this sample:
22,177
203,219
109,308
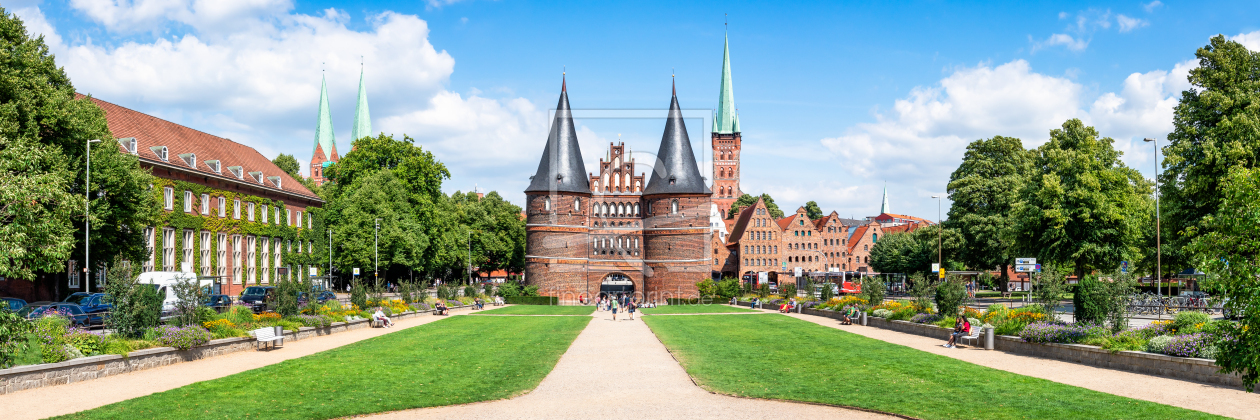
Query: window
299,218
168,198
264,213
577,205
308,220
222,267
251,250
236,209
288,217
222,206
236,259
168,249
673,206
266,259
205,204
546,203
874,237
310,249
205,253
277,254
277,216
250,212
149,248
188,249
188,201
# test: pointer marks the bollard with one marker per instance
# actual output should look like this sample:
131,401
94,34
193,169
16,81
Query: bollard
988,339
863,319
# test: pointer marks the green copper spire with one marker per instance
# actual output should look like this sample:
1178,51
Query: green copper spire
884,209
362,125
324,128
727,121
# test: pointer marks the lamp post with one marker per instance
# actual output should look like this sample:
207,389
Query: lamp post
87,218
940,230
328,277
1159,274
376,269
468,250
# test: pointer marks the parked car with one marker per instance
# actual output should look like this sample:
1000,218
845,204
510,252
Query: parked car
96,305
164,282
320,297
220,303
75,313
259,297
14,304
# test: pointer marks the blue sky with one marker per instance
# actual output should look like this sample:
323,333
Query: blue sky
835,99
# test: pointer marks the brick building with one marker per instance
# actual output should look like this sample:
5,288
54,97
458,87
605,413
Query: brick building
617,231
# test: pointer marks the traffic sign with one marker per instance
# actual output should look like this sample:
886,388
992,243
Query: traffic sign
1025,261
936,267
1124,266
356,271
798,271
1027,268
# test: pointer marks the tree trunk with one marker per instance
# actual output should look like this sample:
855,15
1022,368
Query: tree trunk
1004,285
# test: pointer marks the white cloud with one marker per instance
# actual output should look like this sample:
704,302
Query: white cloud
1077,35
1128,24
260,86
1251,40
921,141
1064,40
1150,7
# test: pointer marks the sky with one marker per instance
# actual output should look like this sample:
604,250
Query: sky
836,99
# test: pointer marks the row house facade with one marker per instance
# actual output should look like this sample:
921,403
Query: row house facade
228,212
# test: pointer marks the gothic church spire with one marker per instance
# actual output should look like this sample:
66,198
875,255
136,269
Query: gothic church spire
324,140
362,125
727,120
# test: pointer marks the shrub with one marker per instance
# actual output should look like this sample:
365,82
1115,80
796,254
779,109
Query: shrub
13,332
1009,328
903,314
137,307
996,307
51,332
239,315
470,291
1088,301
358,293
182,338
707,288
763,291
923,291
1188,322
882,313
507,289
1158,344
1046,332
286,300
1124,343
188,298
949,296
531,290
1190,345
789,290
872,289
728,288
925,318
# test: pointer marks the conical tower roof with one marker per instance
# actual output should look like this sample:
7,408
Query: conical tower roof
676,171
727,120
362,125
561,168
884,208
324,127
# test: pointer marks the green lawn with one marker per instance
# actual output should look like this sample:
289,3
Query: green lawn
693,309
453,361
773,356
539,310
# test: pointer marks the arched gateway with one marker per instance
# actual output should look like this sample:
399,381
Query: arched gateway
616,284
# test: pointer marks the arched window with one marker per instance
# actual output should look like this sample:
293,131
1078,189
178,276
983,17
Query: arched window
577,204
546,203
636,209
673,206
874,237
605,210
621,210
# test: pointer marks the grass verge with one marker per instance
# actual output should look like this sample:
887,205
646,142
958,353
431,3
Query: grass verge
780,357
453,361
693,309
539,310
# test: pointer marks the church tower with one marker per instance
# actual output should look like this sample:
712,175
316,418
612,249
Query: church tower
726,140
325,153
362,125
677,244
557,215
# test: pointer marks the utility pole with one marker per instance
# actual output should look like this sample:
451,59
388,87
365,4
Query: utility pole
87,218
468,245
1159,269
940,231
328,282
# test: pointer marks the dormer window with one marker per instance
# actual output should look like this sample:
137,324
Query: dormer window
257,176
189,158
274,180
128,143
214,166
238,171
160,151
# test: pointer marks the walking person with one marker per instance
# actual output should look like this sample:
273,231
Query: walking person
630,308
614,310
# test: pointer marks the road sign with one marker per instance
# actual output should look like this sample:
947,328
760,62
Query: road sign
314,271
356,271
1026,268
936,267
1025,261
1124,266
942,273
798,271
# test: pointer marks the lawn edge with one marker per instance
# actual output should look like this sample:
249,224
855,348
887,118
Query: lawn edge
707,389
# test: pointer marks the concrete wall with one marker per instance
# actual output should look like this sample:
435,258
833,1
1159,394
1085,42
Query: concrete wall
1191,369
87,368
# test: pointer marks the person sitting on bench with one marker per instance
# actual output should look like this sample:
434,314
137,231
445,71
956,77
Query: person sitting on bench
441,308
380,316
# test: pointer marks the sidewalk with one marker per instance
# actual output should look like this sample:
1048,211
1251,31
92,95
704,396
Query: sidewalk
1220,400
619,369
78,396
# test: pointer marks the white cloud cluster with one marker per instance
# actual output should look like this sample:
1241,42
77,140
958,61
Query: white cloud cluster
1082,26
1130,23
250,70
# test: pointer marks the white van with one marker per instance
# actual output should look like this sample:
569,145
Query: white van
164,282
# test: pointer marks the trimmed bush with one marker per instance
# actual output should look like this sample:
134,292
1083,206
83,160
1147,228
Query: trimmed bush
1188,322
1089,301
882,313
949,296
182,338
1158,344
532,300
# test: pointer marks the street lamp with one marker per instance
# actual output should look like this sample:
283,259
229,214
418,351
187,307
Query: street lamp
376,270
328,277
1159,274
87,219
940,230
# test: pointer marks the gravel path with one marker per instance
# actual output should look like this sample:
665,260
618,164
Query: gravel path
1213,399
70,398
619,369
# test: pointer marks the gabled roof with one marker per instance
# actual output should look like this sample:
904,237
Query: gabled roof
741,221
150,131
561,167
902,216
785,222
857,233
676,171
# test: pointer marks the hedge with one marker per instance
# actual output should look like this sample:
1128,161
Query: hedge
532,300
705,301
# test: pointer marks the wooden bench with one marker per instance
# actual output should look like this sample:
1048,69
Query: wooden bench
269,334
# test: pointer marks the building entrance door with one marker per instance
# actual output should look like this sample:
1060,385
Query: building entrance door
616,284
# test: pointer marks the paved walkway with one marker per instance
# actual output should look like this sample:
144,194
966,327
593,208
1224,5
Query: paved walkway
1213,399
70,398
620,370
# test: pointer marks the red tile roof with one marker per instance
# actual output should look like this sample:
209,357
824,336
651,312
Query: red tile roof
150,131
857,237
908,227
785,222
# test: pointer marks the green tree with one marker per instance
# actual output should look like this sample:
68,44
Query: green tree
1214,131
495,229
896,253
748,200
813,211
288,164
1048,288
984,191
43,141
136,307
1228,250
1083,207
378,196
707,288
950,295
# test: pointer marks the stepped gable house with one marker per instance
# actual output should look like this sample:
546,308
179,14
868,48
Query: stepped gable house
226,209
615,232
